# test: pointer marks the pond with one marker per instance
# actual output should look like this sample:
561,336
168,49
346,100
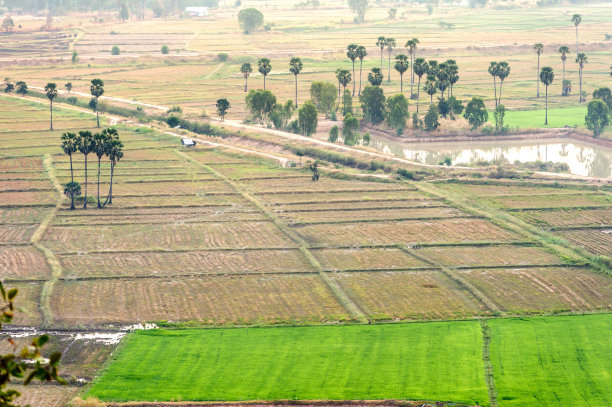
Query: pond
582,158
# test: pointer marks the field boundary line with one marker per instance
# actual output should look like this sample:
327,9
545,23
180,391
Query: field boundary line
343,298
488,366
448,272
52,261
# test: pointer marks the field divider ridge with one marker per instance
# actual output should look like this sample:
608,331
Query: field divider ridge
488,366
343,298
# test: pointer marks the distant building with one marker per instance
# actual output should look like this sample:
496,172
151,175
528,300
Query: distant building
197,11
187,142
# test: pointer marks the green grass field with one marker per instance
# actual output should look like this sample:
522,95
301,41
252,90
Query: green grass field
559,117
559,361
436,361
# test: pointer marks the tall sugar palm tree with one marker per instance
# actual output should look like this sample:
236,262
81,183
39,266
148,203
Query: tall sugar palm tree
97,90
420,68
503,71
564,51
411,45
344,78
546,76
430,87
295,67
361,54
51,92
453,74
246,69
375,77
264,66
114,151
442,76
85,147
390,43
99,148
401,66
69,146
581,59
381,43
493,71
351,53
539,48
576,19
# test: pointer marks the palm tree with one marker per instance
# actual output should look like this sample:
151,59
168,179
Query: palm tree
381,43
576,19
264,67
97,90
493,71
70,143
361,54
546,76
420,68
99,147
375,77
581,59
443,79
453,74
503,71
295,67
539,48
246,69
412,47
564,51
390,45
51,91
351,53
114,151
401,66
68,87
430,86
85,147
344,78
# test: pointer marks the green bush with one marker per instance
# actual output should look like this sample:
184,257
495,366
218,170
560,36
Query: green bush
115,50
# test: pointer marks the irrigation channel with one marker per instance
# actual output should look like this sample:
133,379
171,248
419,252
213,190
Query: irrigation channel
582,158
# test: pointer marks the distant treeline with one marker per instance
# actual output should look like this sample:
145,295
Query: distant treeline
62,6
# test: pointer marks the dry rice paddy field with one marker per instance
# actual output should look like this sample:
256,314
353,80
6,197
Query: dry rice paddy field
209,238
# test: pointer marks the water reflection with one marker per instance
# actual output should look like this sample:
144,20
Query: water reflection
582,158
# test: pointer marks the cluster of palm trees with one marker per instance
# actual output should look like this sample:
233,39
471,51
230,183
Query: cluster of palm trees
105,143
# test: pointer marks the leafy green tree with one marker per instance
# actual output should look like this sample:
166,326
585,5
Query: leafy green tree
564,51
71,190
97,89
124,12
576,19
381,43
431,118
361,54
114,151
344,78
411,45
430,87
70,143
333,135
390,44
75,57
9,88
260,104
503,71
22,88
351,53
455,105
373,104
375,77
223,105
444,108
51,92
8,24
401,66
308,118
420,68
359,8
173,121
99,148
581,59
323,94
539,48
85,147
397,112
165,49
246,69
499,114
453,74
68,87
295,67
15,366
264,66
115,50
443,79
347,102
392,13
546,76
476,113
605,95
281,114
250,19
314,167
598,116
350,127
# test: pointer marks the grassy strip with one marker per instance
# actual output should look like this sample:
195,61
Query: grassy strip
519,184
488,367
375,220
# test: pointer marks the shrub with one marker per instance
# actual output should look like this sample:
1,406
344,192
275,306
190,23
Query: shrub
72,100
333,134
165,49
115,50
173,121
405,173
476,113
222,57
431,118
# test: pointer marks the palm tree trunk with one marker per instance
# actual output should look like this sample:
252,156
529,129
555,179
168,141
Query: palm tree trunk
339,84
265,82
563,83
389,74
85,204
51,114
296,101
411,74
401,83
354,78
245,83
381,55
99,205
109,198
538,77
71,180
546,120
418,92
576,40
360,68
97,113
580,96
501,83
495,87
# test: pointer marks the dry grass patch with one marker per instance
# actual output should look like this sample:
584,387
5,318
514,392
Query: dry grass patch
568,217
551,201
503,190
598,241
342,214
23,262
24,185
16,234
22,214
27,198
489,255
27,312
366,259
41,395
325,197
